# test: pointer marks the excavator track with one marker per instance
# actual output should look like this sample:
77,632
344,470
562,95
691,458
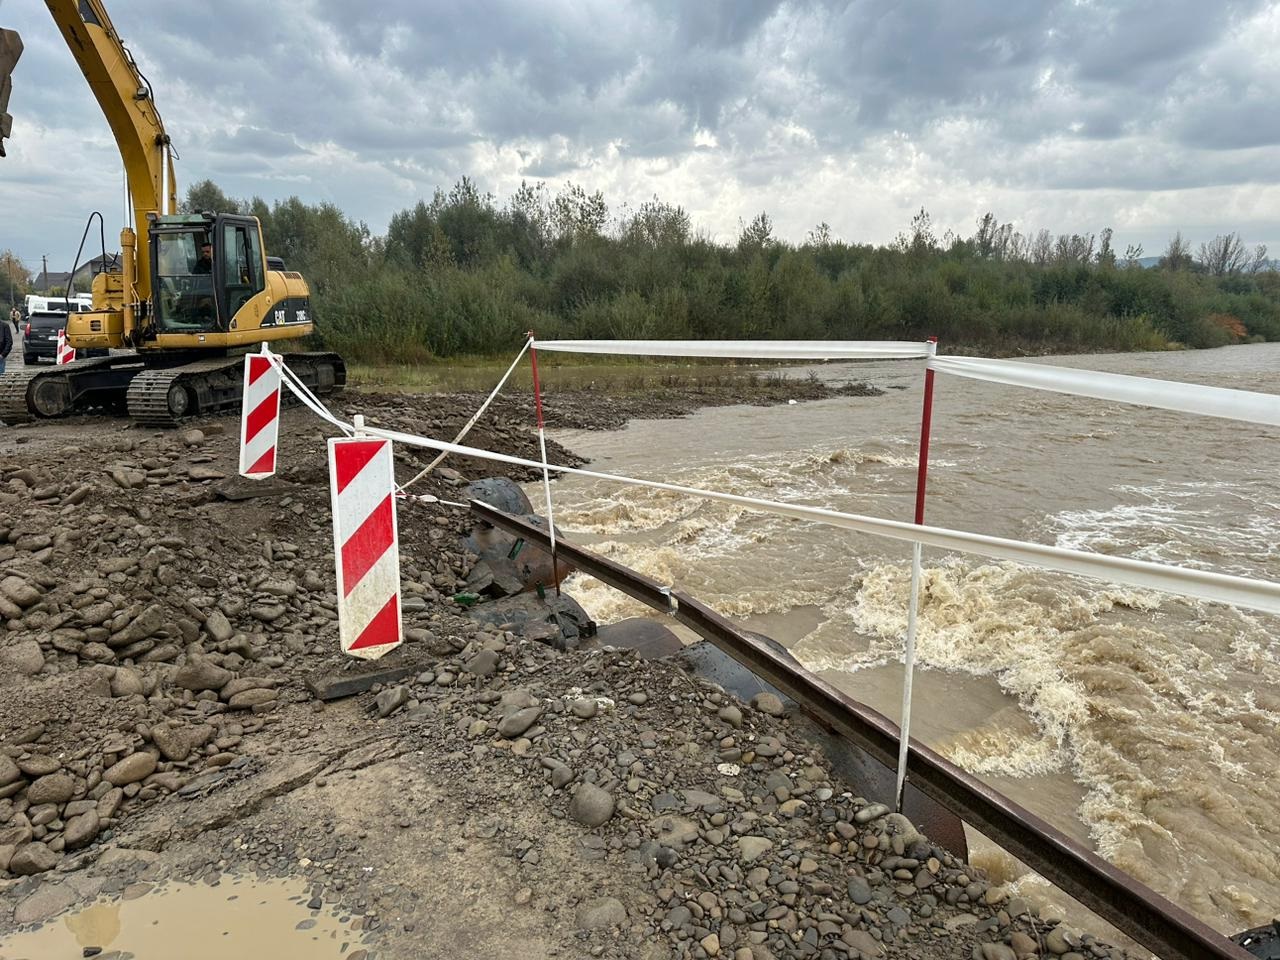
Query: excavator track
164,396
154,396
36,394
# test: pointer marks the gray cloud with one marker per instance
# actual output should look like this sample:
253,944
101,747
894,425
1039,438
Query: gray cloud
1058,109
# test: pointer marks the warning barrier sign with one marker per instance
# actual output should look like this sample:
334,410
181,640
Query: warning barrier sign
259,417
66,352
365,545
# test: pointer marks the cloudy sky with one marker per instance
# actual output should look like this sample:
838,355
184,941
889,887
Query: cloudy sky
1147,116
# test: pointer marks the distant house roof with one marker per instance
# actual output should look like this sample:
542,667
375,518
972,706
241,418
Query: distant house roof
100,264
46,282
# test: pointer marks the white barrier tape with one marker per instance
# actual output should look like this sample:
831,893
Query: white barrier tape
474,420
1204,584
749,349
1263,408
304,394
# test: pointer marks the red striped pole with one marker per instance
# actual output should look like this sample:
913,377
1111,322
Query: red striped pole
913,603
365,544
259,416
926,424
542,445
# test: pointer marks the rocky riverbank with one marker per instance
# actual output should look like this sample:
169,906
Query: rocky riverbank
169,639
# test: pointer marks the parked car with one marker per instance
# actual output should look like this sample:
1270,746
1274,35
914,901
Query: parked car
40,337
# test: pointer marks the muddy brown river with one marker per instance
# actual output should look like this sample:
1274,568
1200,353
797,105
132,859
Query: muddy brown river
1143,724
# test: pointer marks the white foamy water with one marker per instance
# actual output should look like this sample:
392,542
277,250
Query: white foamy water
1142,723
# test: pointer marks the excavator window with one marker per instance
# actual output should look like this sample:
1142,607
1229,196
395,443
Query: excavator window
241,264
184,296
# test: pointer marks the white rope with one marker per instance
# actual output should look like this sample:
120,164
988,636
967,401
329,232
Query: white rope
1263,408
304,394
429,498
1204,584
473,421
749,349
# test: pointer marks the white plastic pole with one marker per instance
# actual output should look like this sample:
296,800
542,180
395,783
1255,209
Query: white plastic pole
542,447
908,671
913,602
546,485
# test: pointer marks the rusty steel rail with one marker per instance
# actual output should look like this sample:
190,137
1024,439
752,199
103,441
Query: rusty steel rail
1132,907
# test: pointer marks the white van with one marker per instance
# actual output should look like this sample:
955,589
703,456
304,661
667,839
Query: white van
80,303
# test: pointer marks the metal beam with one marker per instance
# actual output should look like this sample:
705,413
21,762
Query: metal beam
1129,905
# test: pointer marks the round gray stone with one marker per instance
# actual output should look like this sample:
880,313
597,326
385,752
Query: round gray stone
517,723
483,664
81,830
31,859
591,806
54,788
9,772
859,890
131,769
200,675
770,704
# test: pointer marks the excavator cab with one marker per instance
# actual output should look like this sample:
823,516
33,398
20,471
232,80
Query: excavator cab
183,287
205,269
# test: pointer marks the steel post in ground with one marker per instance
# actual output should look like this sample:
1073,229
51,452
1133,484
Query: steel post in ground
913,603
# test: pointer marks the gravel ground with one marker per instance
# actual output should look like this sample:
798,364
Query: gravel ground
504,798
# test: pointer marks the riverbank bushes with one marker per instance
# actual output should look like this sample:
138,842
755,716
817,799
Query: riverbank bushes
462,275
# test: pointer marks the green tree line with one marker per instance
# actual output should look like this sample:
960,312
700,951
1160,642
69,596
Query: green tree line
464,274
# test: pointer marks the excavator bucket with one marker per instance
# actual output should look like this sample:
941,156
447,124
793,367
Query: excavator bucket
10,51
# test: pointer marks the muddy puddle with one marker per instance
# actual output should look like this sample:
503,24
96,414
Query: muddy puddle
238,917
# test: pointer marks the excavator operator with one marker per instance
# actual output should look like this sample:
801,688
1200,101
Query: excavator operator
205,263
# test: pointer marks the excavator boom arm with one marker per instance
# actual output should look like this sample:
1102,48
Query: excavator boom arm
125,97
10,51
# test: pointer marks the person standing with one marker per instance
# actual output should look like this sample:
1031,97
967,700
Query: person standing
16,316
6,344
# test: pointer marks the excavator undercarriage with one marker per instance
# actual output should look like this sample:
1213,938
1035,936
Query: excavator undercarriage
152,395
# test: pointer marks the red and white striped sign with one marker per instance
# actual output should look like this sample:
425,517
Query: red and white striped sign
259,417
365,545
66,353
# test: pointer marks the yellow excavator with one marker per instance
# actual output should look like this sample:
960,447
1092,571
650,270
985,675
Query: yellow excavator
193,290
